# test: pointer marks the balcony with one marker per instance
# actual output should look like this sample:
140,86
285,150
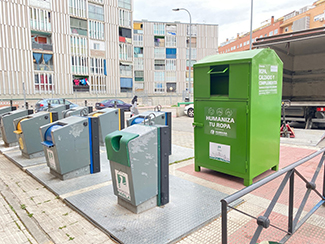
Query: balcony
42,46
43,67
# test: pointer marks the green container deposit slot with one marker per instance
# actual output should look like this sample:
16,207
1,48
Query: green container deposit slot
237,100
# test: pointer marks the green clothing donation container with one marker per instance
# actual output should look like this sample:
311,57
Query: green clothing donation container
237,100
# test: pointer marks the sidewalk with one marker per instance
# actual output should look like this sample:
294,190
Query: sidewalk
29,213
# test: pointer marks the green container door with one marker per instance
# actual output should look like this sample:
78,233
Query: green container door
237,100
220,128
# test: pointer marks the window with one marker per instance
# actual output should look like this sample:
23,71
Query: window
170,41
97,66
240,45
193,53
126,70
275,31
138,76
78,26
319,17
171,64
138,40
159,29
193,30
97,83
126,84
286,29
159,41
124,32
96,30
79,64
159,87
193,42
43,82
138,52
43,61
78,45
170,75
159,52
187,64
138,64
78,8
159,64
171,29
124,4
171,53
40,19
137,28
159,76
95,12
125,18
125,52
271,33
171,87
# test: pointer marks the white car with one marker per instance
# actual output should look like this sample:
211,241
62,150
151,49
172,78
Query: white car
189,110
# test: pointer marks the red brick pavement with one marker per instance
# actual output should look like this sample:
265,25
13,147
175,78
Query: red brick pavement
288,155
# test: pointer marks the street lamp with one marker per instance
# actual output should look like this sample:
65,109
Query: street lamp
189,53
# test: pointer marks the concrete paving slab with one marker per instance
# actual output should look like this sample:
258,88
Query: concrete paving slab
60,187
308,138
22,162
3,148
191,206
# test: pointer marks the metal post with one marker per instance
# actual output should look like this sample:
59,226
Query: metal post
24,93
291,202
224,222
324,183
189,53
251,28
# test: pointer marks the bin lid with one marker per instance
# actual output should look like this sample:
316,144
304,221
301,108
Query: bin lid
48,135
19,131
97,114
231,57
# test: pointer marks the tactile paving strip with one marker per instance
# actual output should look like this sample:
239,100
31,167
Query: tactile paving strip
60,187
191,206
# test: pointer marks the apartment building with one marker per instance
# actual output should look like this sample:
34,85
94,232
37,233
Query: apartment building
242,42
88,48
65,47
161,54
308,17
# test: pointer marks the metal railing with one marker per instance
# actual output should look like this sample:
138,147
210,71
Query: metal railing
42,46
263,222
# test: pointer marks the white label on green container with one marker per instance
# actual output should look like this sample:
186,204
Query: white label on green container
267,79
220,121
122,184
50,155
219,152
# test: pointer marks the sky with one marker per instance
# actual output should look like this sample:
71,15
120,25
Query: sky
232,16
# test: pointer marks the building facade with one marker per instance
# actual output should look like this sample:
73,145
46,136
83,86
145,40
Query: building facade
241,43
89,48
306,18
161,54
62,47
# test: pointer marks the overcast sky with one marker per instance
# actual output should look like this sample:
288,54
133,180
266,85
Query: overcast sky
232,16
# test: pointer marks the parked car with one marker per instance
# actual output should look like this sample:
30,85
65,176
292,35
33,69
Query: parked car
110,103
42,105
189,110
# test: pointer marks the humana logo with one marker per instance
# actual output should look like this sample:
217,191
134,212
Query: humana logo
220,119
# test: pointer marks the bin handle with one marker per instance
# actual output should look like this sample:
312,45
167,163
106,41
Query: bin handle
217,72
